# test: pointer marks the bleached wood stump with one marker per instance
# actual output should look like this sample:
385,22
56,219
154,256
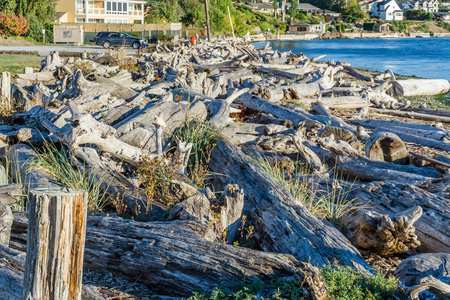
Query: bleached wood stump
55,245
6,220
386,146
5,90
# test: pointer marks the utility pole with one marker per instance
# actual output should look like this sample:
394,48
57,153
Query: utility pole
208,28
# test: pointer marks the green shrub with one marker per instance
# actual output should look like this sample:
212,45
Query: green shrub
346,283
342,284
10,24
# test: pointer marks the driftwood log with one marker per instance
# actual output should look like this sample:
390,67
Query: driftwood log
281,223
386,146
428,271
420,87
395,197
176,257
382,234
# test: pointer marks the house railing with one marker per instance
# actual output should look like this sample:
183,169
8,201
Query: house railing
103,11
96,11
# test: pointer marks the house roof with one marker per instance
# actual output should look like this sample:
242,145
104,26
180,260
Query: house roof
60,14
301,24
307,6
326,11
264,5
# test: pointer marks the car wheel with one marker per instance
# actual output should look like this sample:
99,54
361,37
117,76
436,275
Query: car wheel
136,45
106,45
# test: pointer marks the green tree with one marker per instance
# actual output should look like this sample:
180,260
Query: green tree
293,9
275,7
8,6
170,10
44,10
194,13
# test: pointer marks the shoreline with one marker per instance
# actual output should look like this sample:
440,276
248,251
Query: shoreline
356,35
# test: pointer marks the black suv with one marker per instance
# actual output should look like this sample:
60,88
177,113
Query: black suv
117,39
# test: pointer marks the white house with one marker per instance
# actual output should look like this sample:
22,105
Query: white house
387,10
264,8
427,5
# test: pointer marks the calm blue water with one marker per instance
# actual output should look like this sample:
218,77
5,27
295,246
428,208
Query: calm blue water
423,57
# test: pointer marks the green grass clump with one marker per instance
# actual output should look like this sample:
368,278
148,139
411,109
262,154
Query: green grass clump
15,63
58,164
202,136
347,284
331,204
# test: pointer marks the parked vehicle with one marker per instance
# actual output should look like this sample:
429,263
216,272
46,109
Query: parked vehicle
109,39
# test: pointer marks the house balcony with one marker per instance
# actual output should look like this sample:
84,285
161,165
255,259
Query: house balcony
104,12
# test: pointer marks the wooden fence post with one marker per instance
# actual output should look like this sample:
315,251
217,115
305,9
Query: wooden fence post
55,244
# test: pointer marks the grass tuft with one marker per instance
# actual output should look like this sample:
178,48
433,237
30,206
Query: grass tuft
331,204
202,136
58,164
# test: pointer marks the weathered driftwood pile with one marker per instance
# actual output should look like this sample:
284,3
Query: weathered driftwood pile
111,118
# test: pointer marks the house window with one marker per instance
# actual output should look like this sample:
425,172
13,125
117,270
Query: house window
130,6
113,7
80,5
79,20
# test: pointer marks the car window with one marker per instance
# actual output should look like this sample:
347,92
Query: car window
122,36
114,35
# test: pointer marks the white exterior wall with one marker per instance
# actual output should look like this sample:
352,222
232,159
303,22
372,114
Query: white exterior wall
389,12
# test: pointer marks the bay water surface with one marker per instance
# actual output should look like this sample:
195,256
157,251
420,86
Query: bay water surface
422,57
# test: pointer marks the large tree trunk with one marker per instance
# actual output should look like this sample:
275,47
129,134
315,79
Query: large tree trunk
281,223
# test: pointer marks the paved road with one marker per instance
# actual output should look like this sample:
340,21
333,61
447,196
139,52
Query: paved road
45,50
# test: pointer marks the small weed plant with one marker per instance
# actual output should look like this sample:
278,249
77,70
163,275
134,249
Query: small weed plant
346,283
58,164
155,176
129,64
84,65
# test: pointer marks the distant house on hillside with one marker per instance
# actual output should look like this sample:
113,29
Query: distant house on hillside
264,8
443,15
427,5
367,5
306,28
326,12
382,27
405,5
387,10
308,8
